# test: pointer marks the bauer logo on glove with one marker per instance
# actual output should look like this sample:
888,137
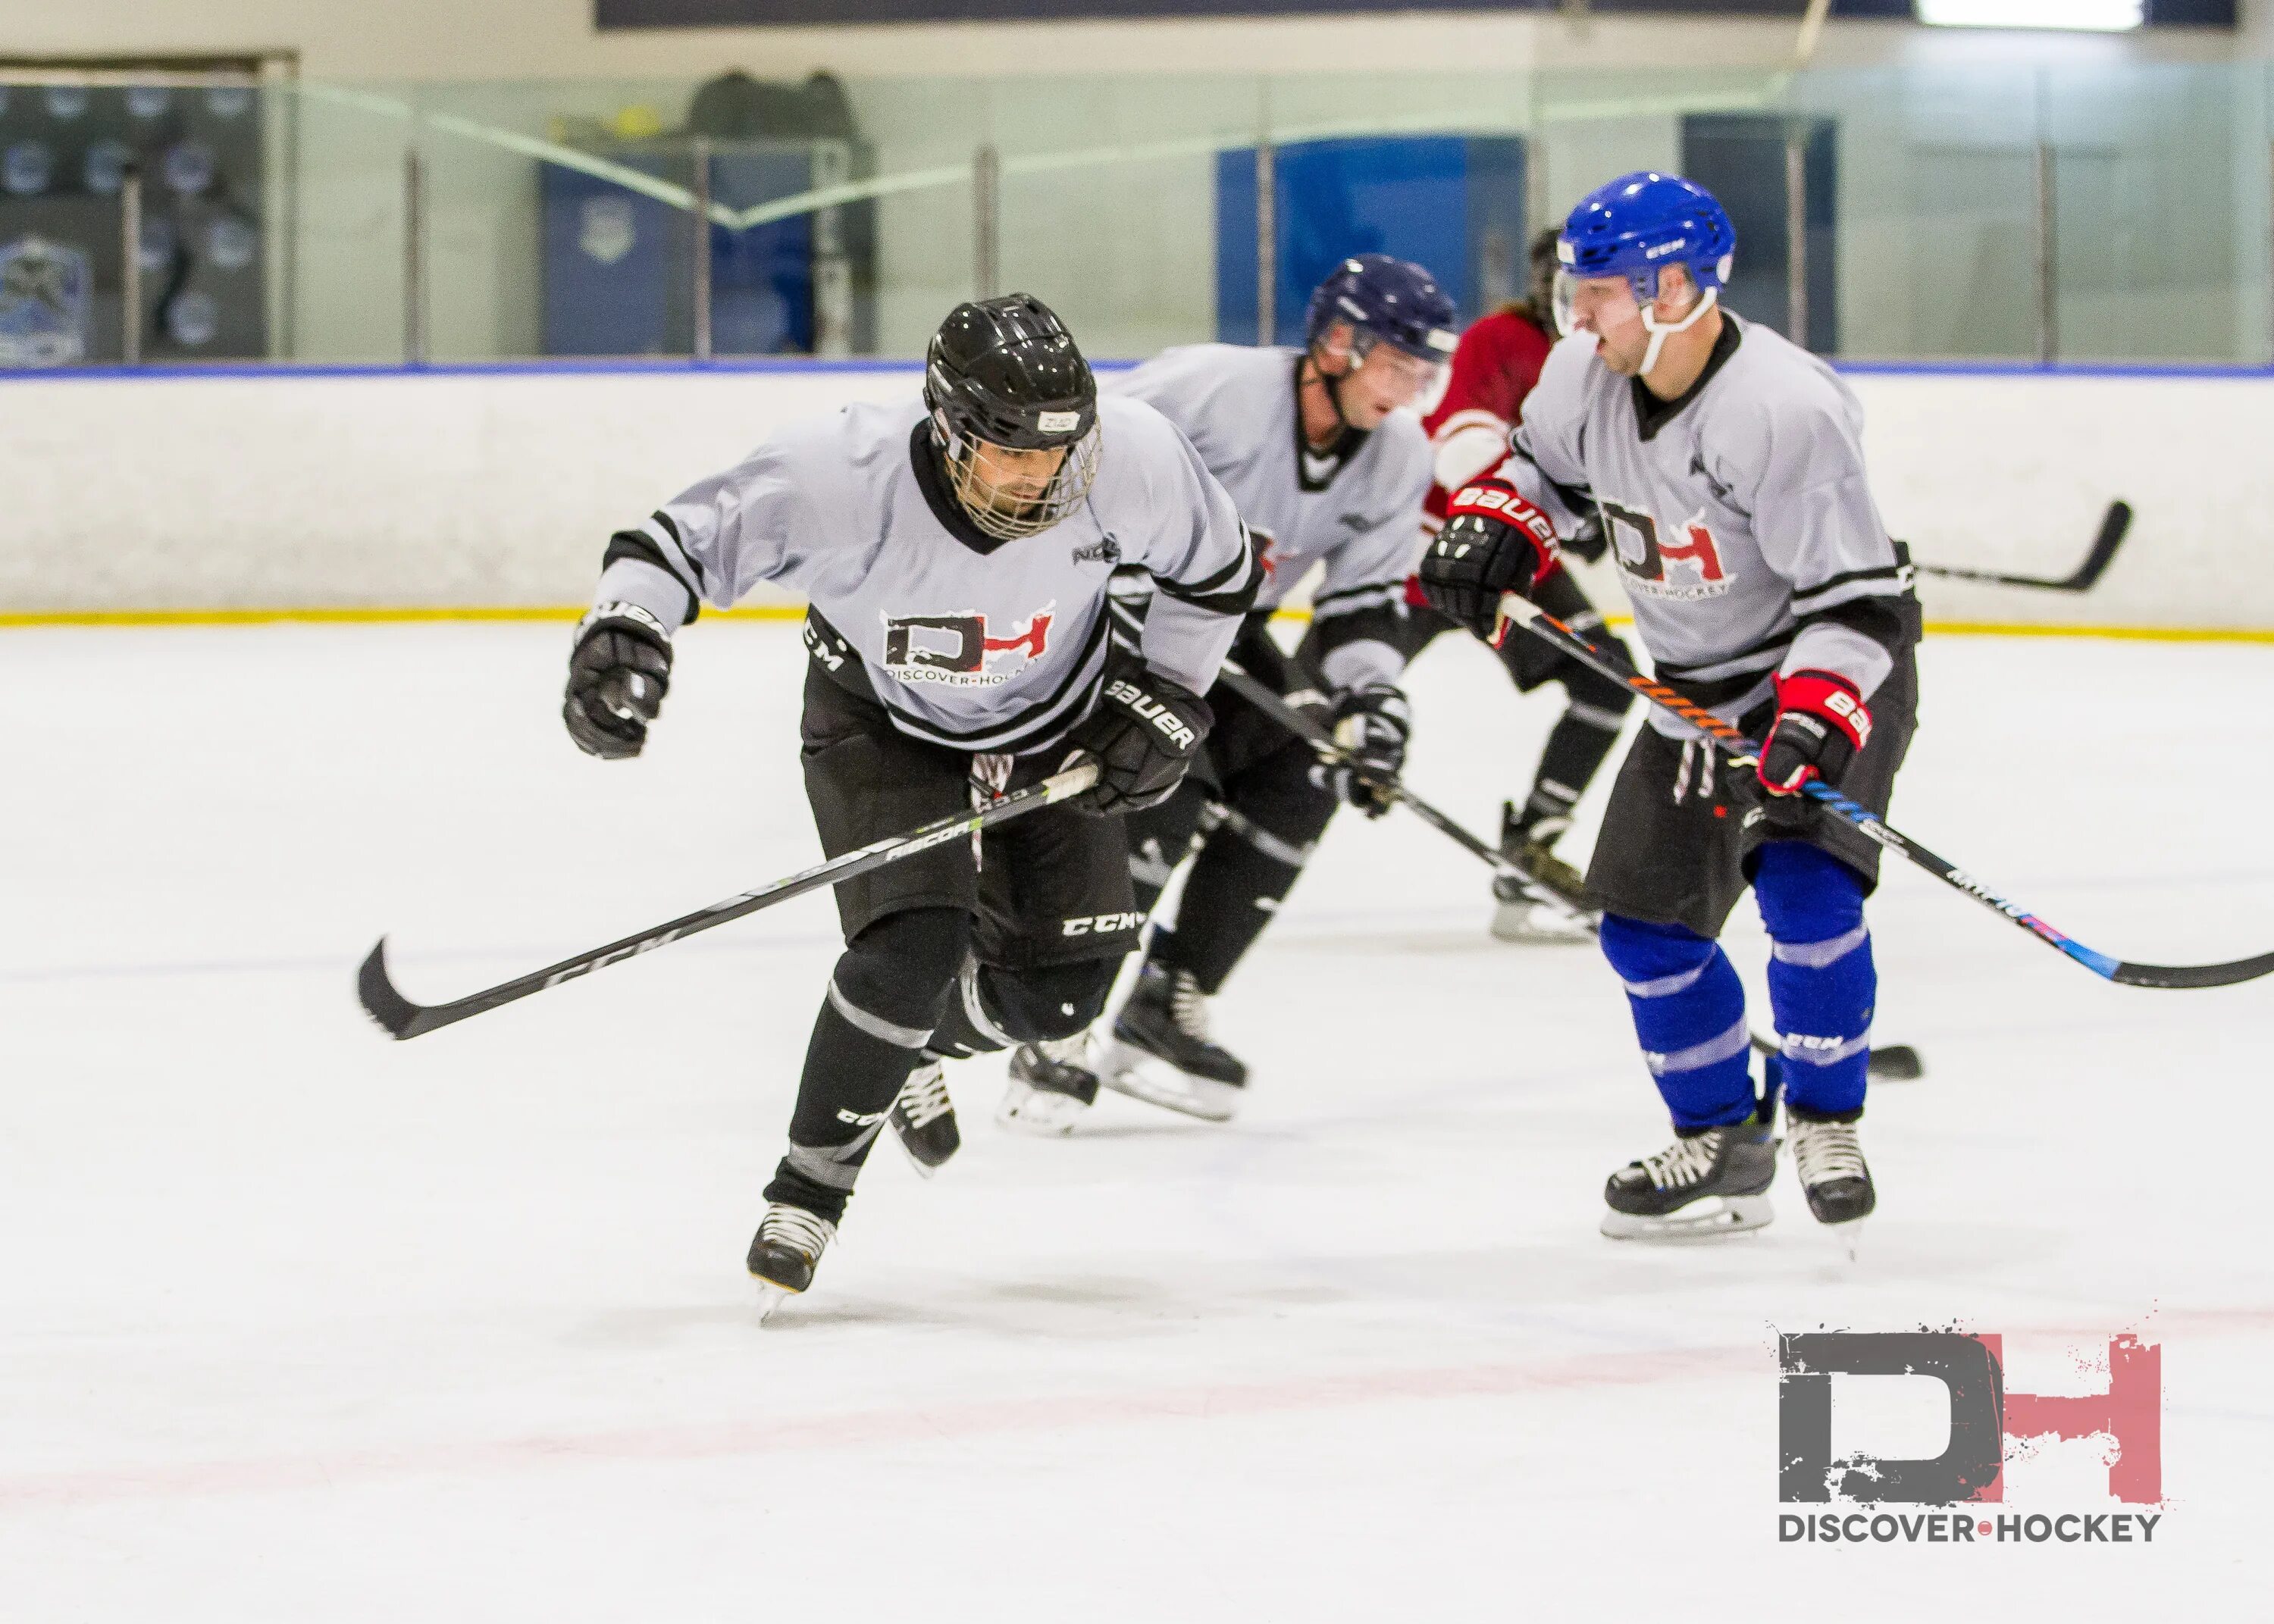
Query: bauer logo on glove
1821,723
1494,541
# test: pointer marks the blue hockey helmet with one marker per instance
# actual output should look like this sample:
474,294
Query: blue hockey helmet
1385,301
1643,222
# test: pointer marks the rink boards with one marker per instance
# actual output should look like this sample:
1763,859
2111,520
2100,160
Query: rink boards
495,488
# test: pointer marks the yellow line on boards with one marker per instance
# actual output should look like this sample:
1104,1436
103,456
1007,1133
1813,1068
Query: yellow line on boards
352,614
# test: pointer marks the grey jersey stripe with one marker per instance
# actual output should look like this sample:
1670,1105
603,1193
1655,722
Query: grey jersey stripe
875,1026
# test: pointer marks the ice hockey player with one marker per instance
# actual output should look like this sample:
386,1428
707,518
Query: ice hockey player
956,552
1329,469
1727,467
1495,366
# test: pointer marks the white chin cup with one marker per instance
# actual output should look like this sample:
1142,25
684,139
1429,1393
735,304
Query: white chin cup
1660,334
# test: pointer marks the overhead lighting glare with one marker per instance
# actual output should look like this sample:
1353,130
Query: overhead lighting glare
2095,16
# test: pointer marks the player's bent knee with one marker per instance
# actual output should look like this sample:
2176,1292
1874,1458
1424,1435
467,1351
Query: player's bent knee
1805,893
1643,952
1598,693
1055,1001
897,967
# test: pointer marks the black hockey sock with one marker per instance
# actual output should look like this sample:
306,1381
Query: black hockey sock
1577,746
871,1032
1159,837
1241,875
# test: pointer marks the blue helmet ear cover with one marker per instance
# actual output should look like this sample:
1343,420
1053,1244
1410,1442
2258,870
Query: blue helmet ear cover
1640,223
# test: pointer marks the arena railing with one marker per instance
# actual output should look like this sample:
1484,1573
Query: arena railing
2020,215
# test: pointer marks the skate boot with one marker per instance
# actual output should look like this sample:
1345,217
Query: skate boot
1052,1084
923,1119
1522,916
1712,1181
1160,1052
1831,1168
785,1250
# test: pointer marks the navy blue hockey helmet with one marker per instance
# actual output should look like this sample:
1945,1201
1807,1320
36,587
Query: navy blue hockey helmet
1385,301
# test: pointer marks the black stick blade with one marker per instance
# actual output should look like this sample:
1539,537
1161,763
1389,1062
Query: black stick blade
2231,973
1897,1063
2113,532
397,1015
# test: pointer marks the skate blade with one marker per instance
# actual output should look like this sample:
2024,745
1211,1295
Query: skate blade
1733,1214
1535,924
1037,1111
769,1297
924,1169
1131,1071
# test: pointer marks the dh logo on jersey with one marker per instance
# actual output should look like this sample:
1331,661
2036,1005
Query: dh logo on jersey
1685,566
956,651
1986,1419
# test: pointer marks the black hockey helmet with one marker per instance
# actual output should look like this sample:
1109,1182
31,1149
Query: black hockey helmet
1005,372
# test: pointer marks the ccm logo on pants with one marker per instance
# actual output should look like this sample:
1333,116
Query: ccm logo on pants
1103,924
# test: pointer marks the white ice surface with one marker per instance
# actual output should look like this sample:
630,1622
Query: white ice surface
298,1324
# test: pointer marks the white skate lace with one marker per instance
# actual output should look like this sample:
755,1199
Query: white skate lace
1188,1005
1684,1161
800,1230
923,1097
1823,1151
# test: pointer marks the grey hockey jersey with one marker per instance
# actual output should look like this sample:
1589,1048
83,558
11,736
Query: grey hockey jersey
1739,516
966,641
1356,508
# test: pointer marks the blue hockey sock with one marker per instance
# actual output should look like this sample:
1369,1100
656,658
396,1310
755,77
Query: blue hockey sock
1690,1013
1822,983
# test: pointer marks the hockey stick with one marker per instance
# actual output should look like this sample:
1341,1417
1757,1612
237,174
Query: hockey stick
403,1019
2113,528
1517,611
1898,1061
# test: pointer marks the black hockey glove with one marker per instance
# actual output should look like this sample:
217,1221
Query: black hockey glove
1493,541
1372,725
1145,732
1590,541
618,675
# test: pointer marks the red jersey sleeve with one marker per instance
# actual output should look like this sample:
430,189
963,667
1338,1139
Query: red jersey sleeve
1494,366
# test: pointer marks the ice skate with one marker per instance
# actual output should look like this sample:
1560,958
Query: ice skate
1052,1084
923,1119
785,1252
1833,1173
1522,914
1160,1051
1711,1182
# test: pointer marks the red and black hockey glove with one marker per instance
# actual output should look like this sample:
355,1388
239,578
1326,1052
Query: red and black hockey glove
1145,732
1820,724
1494,541
618,675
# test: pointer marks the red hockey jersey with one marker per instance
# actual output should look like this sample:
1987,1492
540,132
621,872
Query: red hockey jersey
1495,368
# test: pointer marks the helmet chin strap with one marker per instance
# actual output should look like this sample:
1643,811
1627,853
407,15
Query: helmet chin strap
1332,383
1659,334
